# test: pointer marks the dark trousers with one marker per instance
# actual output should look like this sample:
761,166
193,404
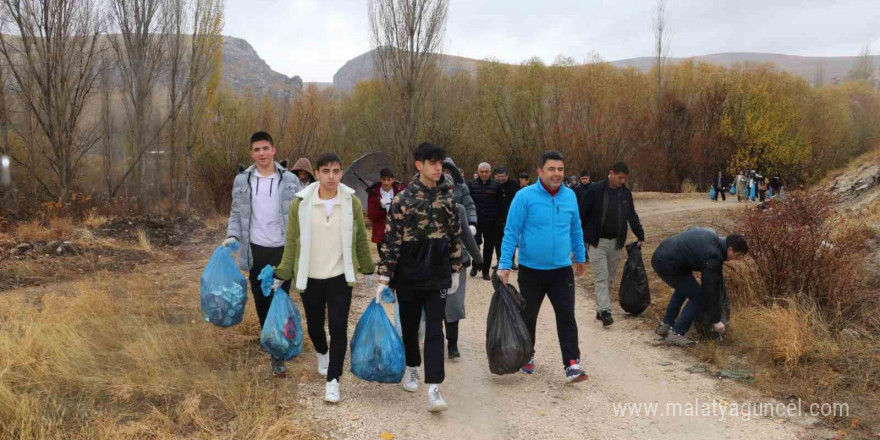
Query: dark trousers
452,332
332,295
762,194
558,286
686,288
491,235
720,191
411,304
263,256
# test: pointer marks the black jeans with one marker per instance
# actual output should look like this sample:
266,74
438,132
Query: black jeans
411,304
334,296
452,332
720,192
263,256
558,286
491,236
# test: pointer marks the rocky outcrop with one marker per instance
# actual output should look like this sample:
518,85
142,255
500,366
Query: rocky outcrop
859,188
361,68
243,69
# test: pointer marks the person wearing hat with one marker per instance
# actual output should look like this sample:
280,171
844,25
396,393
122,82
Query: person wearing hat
379,197
303,169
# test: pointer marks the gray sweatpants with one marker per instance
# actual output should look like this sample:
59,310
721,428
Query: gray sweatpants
604,259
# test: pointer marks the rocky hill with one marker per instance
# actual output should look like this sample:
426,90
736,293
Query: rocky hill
244,69
833,69
361,68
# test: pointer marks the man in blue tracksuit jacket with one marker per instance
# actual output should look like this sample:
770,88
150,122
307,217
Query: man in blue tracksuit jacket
545,224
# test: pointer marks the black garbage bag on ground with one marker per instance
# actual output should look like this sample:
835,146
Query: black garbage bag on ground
508,344
702,324
635,294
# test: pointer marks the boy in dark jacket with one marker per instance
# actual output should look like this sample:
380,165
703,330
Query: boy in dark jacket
676,260
421,257
379,197
606,209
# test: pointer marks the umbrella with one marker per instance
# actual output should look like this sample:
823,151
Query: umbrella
364,172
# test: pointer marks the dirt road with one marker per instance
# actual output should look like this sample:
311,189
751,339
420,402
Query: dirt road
626,364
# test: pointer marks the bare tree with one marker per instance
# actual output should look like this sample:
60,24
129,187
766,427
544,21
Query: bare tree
406,36
863,66
52,51
819,81
661,48
176,11
108,149
203,75
140,52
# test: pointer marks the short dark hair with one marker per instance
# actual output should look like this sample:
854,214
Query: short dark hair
428,151
550,155
385,172
326,159
620,167
262,136
501,170
585,173
524,175
738,243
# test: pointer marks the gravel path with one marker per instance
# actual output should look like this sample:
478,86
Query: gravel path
625,364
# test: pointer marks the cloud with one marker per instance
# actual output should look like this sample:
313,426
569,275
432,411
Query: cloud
313,39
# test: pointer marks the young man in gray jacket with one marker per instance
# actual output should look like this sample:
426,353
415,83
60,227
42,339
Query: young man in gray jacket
261,198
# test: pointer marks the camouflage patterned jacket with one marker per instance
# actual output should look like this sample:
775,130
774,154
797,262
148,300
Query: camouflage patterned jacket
422,246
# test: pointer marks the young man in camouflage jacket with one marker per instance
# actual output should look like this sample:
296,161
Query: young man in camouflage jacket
421,257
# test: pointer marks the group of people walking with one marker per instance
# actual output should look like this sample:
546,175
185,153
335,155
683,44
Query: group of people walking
311,228
747,186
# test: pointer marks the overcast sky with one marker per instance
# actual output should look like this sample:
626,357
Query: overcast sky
314,38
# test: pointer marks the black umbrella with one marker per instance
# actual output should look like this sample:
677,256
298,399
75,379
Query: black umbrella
364,172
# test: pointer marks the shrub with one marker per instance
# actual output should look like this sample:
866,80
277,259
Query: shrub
802,249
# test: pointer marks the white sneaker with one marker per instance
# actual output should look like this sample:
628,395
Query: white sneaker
331,391
435,400
411,379
323,362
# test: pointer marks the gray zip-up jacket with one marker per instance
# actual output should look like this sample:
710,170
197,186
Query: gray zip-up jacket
460,191
240,213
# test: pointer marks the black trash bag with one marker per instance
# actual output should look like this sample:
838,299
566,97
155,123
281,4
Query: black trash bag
635,294
508,344
705,328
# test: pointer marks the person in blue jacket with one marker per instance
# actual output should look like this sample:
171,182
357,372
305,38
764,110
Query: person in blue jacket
545,224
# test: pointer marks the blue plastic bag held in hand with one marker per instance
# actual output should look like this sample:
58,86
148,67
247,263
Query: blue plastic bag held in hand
376,348
222,289
282,332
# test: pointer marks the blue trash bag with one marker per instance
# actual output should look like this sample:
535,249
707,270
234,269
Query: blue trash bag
389,297
376,348
222,289
282,332
712,194
733,190
752,193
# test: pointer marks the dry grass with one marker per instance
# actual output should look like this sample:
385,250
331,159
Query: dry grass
216,222
57,229
144,240
94,220
130,358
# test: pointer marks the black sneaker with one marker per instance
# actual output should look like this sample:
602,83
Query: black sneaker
606,318
453,351
486,277
473,271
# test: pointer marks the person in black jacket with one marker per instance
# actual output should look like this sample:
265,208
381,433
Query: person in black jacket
583,186
720,185
606,209
486,193
509,188
676,260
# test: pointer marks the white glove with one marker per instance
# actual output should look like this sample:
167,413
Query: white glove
719,327
473,229
276,284
369,279
229,241
379,289
454,287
